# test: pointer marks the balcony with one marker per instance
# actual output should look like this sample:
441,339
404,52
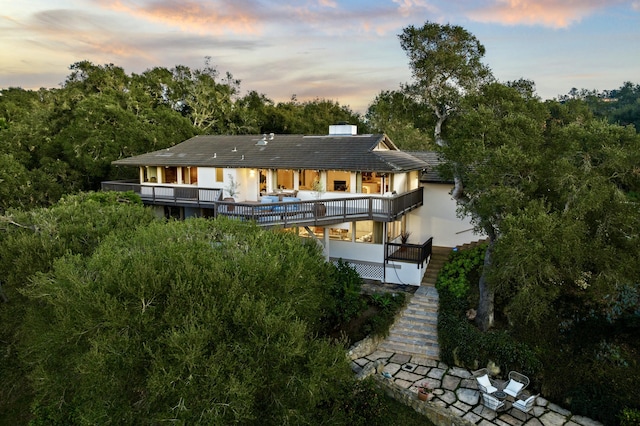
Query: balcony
298,213
409,253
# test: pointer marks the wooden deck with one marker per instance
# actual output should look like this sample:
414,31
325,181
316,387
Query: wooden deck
291,213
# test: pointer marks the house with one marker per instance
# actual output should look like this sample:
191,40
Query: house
358,195
439,218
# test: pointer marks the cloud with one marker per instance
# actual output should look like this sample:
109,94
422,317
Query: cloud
328,3
254,18
211,17
549,13
408,8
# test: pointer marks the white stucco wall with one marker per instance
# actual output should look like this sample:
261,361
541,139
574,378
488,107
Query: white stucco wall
394,272
207,178
437,218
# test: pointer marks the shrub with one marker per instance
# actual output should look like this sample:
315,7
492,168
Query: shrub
457,273
346,286
629,417
461,343
389,304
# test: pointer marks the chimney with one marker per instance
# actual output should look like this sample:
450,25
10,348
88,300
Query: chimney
343,129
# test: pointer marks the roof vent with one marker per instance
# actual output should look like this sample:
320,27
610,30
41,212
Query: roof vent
343,130
262,142
271,136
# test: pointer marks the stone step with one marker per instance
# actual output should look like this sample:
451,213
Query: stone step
429,352
408,340
414,332
423,303
419,314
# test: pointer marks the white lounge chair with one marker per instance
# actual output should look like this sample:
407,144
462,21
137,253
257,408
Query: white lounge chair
485,385
517,383
525,405
491,402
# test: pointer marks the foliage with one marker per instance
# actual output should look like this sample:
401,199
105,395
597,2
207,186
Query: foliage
629,417
232,186
446,63
30,243
388,306
309,117
462,269
461,343
367,405
195,321
345,289
618,106
407,122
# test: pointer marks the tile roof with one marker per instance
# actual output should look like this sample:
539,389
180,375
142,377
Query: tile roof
433,160
333,152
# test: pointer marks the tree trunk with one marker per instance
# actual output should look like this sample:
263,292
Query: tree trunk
484,317
437,131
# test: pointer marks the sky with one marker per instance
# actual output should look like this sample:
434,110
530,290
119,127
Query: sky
345,51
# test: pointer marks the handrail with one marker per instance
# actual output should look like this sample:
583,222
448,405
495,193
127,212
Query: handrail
335,210
411,253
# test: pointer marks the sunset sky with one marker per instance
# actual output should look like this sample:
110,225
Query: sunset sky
347,51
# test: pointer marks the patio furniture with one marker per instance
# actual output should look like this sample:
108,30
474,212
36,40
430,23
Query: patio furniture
491,402
517,383
525,405
485,385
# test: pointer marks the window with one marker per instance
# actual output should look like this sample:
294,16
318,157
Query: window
219,174
150,174
393,230
193,175
308,177
170,175
284,179
343,233
318,231
369,231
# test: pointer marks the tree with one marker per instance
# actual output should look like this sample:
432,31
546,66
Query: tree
492,148
310,117
195,322
406,121
30,243
549,191
445,62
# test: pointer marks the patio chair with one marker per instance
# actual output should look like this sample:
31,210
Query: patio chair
517,383
525,405
485,385
491,402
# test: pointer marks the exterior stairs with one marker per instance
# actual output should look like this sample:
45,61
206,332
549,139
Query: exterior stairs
415,332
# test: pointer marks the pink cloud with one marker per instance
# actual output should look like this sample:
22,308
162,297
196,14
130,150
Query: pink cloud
549,13
411,7
328,3
193,16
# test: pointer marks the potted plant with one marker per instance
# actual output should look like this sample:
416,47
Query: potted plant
404,236
424,392
319,209
232,190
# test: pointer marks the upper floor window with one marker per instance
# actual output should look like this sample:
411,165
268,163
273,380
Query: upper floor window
170,175
308,177
285,179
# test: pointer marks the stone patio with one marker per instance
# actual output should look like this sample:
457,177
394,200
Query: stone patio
455,391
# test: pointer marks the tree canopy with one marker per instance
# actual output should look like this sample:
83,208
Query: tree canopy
550,187
196,321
